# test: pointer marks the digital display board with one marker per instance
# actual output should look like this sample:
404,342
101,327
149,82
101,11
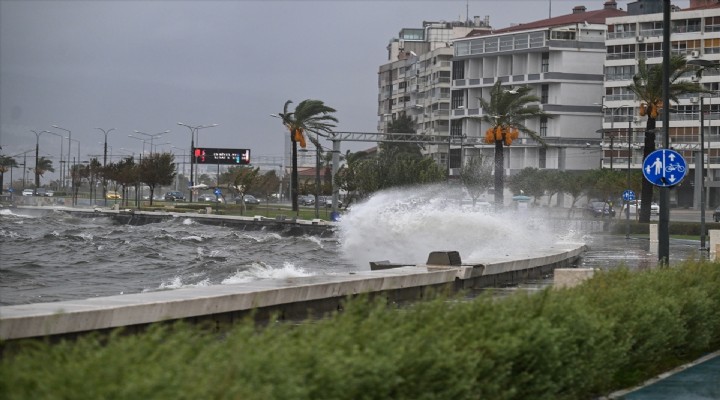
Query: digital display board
206,155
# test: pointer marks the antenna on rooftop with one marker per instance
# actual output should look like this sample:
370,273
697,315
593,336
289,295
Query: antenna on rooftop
550,9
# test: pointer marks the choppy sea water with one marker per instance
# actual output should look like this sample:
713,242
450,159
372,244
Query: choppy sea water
58,257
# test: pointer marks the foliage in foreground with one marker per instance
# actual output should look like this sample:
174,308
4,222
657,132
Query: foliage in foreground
615,330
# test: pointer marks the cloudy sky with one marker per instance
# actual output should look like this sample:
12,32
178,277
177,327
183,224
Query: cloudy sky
147,65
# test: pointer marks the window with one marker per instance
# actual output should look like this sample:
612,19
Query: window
619,73
712,24
544,94
712,46
619,52
562,35
542,158
545,62
458,98
458,70
650,50
456,127
543,126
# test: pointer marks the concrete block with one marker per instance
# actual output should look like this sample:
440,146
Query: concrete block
444,258
570,277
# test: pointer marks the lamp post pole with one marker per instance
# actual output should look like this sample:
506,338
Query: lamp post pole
37,155
702,176
61,155
104,181
69,137
664,219
627,208
194,131
152,137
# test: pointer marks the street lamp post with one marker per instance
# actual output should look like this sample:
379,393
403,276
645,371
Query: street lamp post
69,136
104,181
194,131
143,142
152,137
37,156
61,156
702,176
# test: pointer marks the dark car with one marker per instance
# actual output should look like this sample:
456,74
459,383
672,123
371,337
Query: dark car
173,196
249,200
600,209
716,215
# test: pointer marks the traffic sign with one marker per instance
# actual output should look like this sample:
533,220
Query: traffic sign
664,168
628,195
217,192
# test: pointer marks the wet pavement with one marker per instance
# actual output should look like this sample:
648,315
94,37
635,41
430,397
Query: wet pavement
696,381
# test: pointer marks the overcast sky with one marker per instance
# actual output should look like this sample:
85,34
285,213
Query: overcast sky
146,65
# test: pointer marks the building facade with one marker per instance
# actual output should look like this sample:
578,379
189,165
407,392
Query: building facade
416,80
695,34
561,59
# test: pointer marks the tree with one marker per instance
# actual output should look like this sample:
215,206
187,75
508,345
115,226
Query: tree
403,124
648,89
506,113
309,115
157,169
240,180
5,164
529,181
124,173
476,176
43,165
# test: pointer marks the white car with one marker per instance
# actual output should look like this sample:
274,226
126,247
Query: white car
27,192
637,204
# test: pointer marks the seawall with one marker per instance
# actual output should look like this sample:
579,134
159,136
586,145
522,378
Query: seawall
291,298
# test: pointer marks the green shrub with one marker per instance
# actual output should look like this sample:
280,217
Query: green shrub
617,329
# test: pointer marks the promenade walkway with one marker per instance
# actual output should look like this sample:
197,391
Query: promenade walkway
699,380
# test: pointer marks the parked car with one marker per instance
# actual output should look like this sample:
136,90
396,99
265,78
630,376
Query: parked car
716,215
211,198
250,199
28,192
112,195
327,201
636,205
173,196
600,209
306,200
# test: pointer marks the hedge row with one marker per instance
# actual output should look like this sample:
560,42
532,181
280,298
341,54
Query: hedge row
617,329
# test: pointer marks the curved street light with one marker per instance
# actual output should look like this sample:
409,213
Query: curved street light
194,131
104,181
152,137
69,137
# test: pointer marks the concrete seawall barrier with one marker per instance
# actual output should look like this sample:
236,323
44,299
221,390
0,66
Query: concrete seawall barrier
291,298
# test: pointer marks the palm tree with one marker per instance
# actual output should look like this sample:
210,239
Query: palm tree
310,115
43,165
506,113
648,88
5,164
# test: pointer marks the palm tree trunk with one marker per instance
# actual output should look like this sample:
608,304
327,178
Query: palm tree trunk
294,176
647,188
499,174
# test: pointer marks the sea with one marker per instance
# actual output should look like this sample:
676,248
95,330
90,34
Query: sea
54,256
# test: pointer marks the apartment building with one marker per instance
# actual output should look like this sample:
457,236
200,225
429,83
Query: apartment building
695,33
416,80
561,59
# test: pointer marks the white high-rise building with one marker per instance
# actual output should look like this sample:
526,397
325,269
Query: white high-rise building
561,59
416,80
695,34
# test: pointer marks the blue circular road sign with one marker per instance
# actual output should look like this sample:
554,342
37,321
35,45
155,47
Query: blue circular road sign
628,195
664,168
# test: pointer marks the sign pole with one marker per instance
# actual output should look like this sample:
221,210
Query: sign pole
664,219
